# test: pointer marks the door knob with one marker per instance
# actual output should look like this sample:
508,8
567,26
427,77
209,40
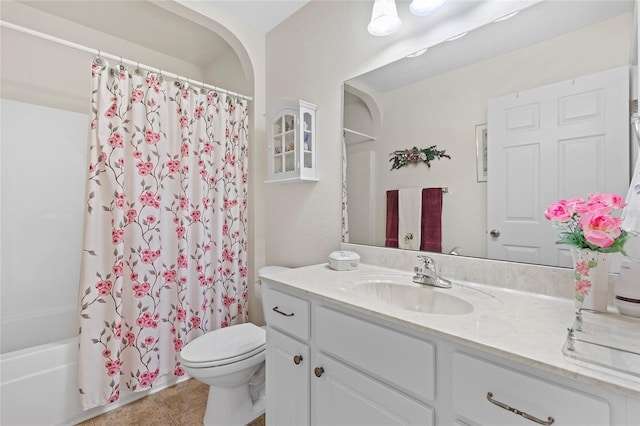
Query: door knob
494,233
297,359
318,371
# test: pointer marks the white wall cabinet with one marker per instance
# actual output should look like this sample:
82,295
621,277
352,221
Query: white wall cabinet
292,142
363,370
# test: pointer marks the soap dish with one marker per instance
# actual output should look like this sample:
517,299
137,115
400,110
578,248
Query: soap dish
629,307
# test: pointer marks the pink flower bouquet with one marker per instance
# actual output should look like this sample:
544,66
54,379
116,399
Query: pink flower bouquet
589,224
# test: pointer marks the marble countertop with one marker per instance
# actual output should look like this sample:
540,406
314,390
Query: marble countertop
521,326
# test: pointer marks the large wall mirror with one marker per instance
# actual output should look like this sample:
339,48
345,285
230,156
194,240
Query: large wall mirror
458,92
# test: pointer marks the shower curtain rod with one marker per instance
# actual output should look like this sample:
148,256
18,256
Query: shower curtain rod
120,59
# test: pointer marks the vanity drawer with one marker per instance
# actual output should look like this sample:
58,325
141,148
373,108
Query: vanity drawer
288,313
398,359
475,381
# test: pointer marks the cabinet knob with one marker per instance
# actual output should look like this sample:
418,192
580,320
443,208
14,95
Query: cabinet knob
297,359
318,371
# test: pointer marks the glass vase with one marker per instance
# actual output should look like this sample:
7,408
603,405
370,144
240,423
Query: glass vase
591,274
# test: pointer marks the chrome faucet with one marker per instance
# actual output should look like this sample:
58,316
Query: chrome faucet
427,273
455,251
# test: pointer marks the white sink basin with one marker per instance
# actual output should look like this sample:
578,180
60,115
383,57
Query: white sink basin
399,292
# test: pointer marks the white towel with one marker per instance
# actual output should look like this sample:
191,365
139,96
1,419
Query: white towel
631,213
409,218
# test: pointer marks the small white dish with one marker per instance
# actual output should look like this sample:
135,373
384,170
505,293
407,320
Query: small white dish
626,307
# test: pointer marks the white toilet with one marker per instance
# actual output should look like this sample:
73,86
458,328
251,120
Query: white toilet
231,361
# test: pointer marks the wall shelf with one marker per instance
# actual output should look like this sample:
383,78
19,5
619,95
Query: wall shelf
354,137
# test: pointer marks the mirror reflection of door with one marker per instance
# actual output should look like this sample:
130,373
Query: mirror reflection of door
558,141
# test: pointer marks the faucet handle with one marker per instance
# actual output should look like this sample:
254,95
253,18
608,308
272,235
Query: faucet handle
427,262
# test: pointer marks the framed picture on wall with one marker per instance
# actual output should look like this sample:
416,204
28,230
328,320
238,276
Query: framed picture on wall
481,152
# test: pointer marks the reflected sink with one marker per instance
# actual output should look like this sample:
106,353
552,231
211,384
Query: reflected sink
400,292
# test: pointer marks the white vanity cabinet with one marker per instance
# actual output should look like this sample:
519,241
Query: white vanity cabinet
356,368
291,142
346,372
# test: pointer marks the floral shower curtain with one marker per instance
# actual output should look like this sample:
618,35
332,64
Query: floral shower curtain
165,241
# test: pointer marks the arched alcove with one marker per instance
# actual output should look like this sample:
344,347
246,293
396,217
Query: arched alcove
361,115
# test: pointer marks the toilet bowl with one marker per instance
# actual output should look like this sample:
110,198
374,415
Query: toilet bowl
231,361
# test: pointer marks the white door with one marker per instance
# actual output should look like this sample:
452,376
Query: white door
564,140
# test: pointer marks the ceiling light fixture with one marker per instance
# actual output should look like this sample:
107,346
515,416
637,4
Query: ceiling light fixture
425,7
384,19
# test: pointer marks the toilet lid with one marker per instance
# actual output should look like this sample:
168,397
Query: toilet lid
225,345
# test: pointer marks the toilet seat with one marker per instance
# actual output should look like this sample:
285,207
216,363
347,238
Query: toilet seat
220,362
224,346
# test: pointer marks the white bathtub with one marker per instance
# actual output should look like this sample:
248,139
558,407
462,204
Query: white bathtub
39,386
28,331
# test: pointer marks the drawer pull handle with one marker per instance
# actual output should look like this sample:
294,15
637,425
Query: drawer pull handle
318,371
547,422
282,313
297,359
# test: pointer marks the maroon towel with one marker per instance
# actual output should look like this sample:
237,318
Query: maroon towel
391,239
431,226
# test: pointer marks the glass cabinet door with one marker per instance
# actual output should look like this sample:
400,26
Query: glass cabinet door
284,146
307,141
277,145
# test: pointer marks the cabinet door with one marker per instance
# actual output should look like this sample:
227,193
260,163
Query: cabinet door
287,388
344,396
308,144
283,141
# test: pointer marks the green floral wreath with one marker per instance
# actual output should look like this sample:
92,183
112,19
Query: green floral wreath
415,155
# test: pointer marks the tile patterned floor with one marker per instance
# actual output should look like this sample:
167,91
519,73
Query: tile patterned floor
179,405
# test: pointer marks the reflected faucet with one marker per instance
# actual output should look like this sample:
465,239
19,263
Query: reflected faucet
455,251
427,273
